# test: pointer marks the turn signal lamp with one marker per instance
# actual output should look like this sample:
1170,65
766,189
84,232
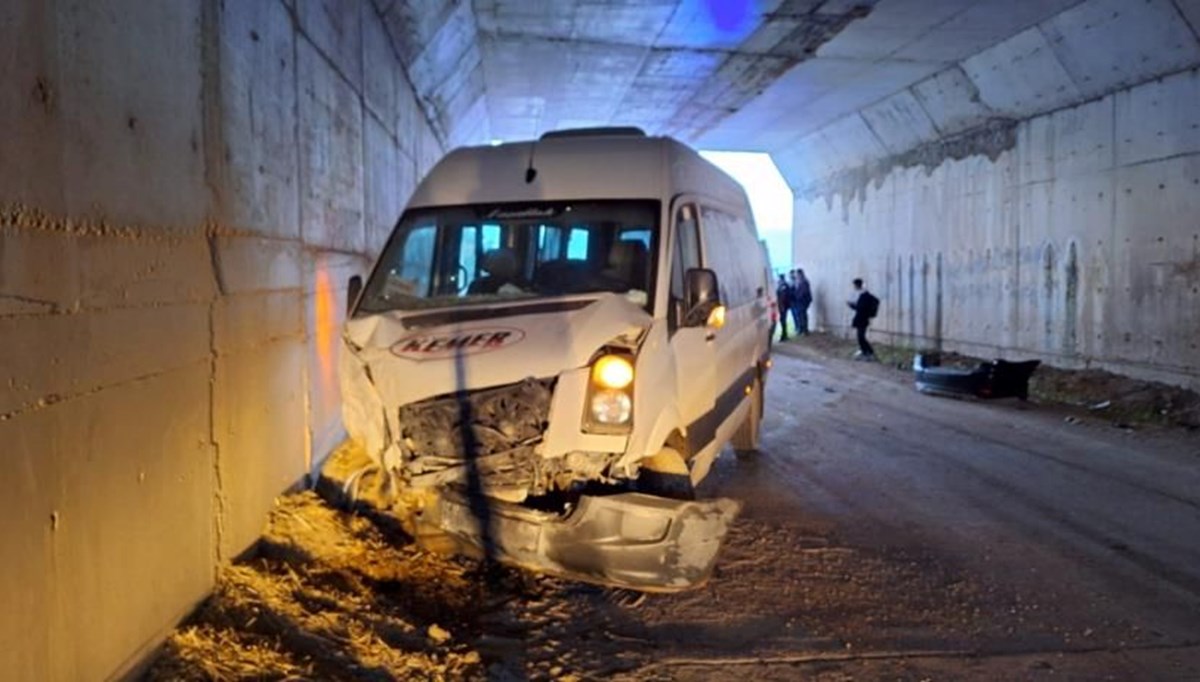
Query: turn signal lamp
716,319
612,371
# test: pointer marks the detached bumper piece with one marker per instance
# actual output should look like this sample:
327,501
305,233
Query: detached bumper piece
630,540
996,379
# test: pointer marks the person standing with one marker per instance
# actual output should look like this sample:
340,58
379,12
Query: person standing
802,295
795,302
865,306
783,299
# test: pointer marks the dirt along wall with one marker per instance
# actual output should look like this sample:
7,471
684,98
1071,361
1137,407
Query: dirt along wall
1072,236
184,189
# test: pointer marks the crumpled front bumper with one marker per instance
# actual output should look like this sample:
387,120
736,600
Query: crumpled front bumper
629,540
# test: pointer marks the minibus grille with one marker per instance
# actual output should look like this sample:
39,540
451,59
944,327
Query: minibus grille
477,424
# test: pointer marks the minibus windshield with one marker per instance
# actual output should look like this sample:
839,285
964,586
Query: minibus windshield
449,256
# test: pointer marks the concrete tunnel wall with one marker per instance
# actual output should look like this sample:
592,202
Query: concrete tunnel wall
1040,199
184,189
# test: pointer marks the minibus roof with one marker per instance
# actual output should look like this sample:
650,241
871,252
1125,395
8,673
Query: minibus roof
575,165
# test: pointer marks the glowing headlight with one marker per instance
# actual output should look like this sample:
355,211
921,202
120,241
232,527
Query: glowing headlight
611,407
612,371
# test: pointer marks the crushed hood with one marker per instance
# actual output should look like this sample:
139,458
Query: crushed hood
416,355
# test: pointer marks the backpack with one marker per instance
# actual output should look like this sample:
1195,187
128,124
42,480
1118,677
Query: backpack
868,305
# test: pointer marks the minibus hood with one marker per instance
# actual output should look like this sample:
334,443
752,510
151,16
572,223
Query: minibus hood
407,357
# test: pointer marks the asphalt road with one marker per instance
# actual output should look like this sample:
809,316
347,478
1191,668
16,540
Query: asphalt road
892,535
885,535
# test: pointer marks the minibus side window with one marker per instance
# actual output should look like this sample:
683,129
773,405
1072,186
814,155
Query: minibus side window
737,278
689,238
685,256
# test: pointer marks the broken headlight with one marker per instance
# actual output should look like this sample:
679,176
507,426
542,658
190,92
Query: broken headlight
611,407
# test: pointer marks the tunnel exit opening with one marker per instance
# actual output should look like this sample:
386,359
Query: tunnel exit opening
771,199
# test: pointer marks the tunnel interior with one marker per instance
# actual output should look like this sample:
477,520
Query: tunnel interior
186,188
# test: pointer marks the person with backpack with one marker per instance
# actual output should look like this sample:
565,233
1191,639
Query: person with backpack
783,299
865,306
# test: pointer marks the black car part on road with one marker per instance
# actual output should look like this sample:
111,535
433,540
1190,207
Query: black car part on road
995,379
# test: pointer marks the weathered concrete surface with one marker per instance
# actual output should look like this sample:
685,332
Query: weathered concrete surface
1049,209
184,189
1080,245
511,69
1087,51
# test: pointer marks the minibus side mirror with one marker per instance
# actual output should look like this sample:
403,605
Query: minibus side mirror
702,296
352,292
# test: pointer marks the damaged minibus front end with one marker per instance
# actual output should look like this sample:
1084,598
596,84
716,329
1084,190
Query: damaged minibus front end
506,428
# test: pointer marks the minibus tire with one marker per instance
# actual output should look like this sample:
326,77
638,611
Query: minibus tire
670,486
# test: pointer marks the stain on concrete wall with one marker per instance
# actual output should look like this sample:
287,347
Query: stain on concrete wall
184,190
1070,314
1047,304
989,139
939,302
1086,225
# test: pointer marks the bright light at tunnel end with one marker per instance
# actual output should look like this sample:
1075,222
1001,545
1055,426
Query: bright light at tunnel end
771,199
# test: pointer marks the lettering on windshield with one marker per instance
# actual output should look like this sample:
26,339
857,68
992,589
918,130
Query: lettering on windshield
466,342
531,212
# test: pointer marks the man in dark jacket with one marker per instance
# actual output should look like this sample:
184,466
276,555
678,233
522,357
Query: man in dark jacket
865,306
783,299
802,299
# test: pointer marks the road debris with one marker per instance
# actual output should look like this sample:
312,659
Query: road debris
994,379
438,634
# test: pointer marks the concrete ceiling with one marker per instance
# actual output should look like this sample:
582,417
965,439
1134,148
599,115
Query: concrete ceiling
821,84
